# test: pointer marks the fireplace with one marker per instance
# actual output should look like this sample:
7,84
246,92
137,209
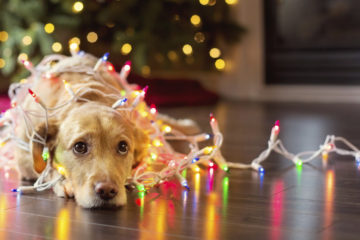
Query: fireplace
312,42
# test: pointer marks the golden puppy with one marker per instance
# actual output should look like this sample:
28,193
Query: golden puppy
96,145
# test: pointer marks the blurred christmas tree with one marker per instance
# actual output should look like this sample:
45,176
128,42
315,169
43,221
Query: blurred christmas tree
155,35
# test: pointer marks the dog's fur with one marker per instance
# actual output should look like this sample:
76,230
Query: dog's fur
92,122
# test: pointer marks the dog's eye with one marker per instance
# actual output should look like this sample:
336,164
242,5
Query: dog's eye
122,147
80,147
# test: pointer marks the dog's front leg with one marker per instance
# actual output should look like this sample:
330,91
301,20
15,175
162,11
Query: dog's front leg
64,189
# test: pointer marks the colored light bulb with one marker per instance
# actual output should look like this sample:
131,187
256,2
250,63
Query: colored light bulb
45,154
195,160
153,109
140,187
225,167
208,150
261,170
212,118
105,57
32,93
299,163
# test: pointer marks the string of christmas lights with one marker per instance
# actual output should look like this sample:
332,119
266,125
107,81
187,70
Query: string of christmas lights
129,99
276,145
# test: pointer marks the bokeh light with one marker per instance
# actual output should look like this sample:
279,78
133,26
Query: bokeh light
49,28
92,37
220,64
56,47
126,48
214,52
78,7
187,49
195,20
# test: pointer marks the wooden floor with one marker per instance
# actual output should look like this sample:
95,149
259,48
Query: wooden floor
319,201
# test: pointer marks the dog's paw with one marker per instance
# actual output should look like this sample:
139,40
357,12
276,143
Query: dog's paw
64,189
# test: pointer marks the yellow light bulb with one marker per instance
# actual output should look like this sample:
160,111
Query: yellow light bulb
61,170
220,64
195,20
92,37
214,52
2,63
196,168
157,143
153,156
56,47
75,40
166,128
187,49
49,28
77,7
126,48
27,40
208,150
74,47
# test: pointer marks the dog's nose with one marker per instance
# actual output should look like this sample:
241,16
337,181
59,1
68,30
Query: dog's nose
106,190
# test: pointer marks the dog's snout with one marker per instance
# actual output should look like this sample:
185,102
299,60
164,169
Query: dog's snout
106,190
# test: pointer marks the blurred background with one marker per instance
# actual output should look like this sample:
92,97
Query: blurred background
198,51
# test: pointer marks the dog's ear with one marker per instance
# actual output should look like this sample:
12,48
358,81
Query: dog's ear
36,148
141,145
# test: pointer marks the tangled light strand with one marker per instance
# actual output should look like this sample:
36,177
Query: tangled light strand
276,145
129,99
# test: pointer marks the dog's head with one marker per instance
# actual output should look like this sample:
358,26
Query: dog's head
97,146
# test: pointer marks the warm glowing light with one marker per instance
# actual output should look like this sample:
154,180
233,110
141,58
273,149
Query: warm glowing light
23,57
204,2
74,47
27,40
63,224
208,150
77,7
2,63
61,170
145,70
126,48
325,155
56,47
153,156
49,28
199,37
75,40
211,230
195,20
211,164
92,37
187,49
214,52
220,64
157,143
172,55
196,168
231,2
166,128
4,36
